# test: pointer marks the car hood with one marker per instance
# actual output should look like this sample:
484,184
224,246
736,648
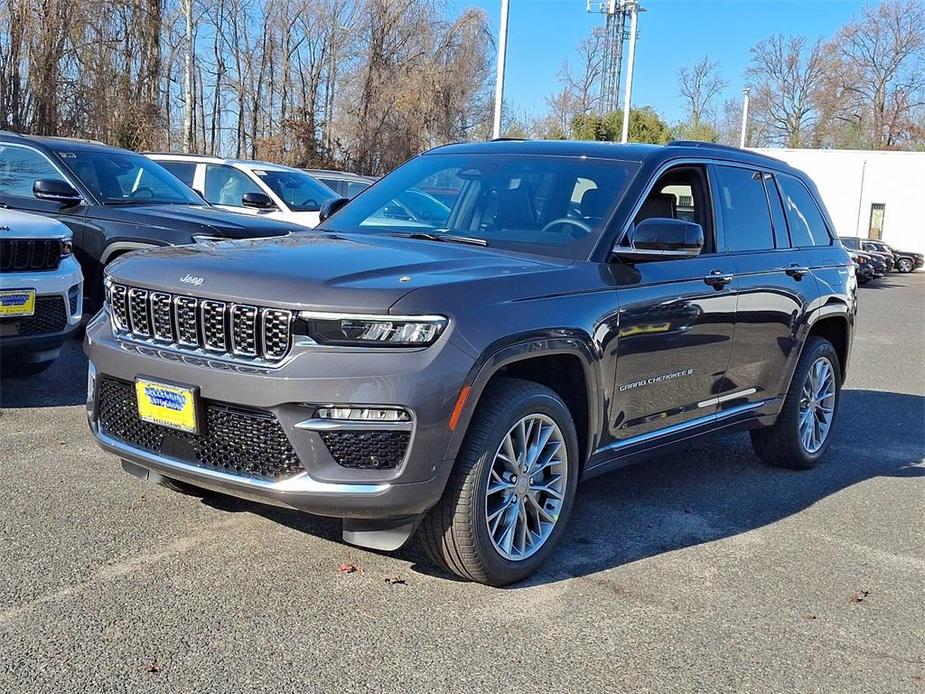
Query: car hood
22,225
320,271
196,220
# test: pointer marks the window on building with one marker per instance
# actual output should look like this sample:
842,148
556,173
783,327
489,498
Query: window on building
877,212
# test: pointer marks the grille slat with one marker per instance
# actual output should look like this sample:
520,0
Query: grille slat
28,255
193,323
236,441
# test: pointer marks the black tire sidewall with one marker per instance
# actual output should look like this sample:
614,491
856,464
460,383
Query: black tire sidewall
816,349
502,570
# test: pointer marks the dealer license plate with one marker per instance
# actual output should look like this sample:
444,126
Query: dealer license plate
168,405
17,302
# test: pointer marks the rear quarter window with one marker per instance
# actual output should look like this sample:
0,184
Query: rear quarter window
807,225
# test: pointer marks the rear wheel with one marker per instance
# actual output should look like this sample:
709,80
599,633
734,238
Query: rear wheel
904,265
511,491
803,430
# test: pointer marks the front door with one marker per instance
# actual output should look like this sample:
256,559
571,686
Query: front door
676,322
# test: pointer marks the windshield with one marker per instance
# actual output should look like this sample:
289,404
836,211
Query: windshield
123,178
298,190
535,204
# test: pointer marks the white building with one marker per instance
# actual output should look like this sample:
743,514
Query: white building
879,195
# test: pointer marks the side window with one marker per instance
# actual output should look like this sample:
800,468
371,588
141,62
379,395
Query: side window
781,238
184,170
354,188
807,226
225,185
681,193
744,206
20,167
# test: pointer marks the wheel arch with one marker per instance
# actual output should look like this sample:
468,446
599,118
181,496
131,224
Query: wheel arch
564,363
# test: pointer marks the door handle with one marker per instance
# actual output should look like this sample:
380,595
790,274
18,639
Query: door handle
717,279
797,271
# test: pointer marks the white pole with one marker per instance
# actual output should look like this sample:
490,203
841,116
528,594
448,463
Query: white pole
744,134
631,61
499,80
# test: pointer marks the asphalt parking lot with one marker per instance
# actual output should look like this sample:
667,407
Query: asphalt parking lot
704,571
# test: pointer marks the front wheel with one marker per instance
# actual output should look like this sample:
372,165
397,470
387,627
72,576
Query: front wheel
803,430
512,489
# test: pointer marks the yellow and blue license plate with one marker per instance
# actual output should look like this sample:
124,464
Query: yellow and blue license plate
17,302
168,405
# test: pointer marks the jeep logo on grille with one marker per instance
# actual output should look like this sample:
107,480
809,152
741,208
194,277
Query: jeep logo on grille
189,279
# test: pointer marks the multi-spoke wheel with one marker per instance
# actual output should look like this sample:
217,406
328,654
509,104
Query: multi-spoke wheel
817,405
904,265
803,430
512,488
526,487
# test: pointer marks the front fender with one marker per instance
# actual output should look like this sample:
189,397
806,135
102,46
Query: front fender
523,347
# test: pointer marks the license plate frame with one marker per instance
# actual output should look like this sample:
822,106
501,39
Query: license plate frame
22,309
172,405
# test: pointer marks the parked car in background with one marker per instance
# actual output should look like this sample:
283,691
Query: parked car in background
864,268
251,187
41,291
856,243
113,200
346,185
461,376
903,261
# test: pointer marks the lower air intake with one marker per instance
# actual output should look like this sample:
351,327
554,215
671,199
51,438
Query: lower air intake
370,450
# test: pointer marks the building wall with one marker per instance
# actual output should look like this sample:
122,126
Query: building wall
850,181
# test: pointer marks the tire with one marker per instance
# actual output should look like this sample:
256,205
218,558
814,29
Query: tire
25,370
783,444
904,265
457,532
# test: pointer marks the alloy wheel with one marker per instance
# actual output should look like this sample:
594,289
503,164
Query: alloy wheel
817,405
904,265
526,487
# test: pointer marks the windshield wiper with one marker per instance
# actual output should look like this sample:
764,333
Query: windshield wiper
450,238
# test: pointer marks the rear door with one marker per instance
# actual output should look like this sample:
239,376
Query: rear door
774,285
676,321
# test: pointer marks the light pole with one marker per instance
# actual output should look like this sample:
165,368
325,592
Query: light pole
632,6
499,80
744,134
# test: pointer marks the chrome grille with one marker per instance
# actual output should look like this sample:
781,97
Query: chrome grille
161,318
247,332
244,330
276,331
139,320
213,325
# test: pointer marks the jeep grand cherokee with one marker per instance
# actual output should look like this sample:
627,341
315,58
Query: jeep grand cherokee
580,306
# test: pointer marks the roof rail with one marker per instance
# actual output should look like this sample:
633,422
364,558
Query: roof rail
721,148
509,139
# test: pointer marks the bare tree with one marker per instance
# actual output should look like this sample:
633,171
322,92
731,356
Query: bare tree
700,84
785,76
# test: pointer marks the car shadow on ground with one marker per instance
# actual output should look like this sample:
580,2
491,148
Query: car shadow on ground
63,384
715,489
891,281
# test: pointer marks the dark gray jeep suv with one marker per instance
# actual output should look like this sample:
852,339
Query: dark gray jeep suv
580,306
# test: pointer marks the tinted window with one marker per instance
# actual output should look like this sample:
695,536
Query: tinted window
851,243
524,203
184,170
298,190
777,213
355,188
123,178
807,226
335,185
225,185
744,205
20,167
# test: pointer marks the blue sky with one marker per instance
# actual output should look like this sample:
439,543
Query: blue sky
544,33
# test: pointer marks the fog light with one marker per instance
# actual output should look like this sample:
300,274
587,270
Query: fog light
364,414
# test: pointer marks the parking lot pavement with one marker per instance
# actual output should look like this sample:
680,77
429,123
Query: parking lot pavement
703,571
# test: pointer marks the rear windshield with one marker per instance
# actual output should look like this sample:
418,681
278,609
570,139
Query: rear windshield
546,205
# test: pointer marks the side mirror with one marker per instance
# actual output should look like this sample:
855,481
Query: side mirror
329,207
56,190
259,201
662,239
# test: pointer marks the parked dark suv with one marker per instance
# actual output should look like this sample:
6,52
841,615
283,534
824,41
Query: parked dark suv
113,200
582,305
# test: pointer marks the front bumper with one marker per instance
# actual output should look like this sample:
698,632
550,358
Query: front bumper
425,382
61,288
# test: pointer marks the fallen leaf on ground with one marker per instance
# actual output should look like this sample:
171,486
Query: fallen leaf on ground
348,567
858,596
809,615
152,666
395,581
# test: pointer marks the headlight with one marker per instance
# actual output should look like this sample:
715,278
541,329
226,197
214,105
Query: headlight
67,247
373,330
